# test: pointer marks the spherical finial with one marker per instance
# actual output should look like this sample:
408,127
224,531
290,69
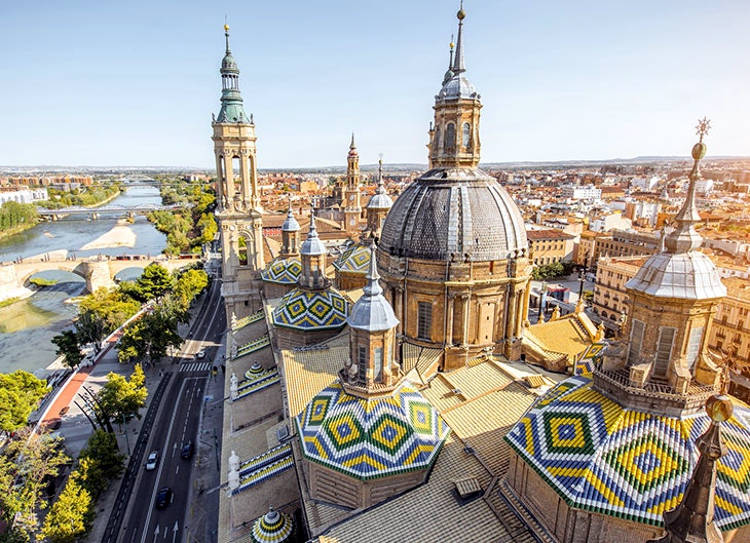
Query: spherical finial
699,151
461,14
719,408
226,28
453,45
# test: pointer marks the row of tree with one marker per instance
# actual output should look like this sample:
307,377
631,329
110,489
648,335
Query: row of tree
71,516
187,229
101,313
30,464
84,196
14,215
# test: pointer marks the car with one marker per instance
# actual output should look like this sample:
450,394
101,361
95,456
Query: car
152,460
164,497
201,354
187,450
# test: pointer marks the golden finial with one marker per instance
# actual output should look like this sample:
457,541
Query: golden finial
226,27
453,45
703,126
461,13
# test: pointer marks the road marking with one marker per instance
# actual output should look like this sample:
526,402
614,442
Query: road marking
161,465
177,470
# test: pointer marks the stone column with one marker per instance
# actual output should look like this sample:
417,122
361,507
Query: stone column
510,323
449,326
400,304
219,183
465,299
244,179
527,293
229,175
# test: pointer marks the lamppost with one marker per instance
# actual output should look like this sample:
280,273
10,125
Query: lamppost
542,292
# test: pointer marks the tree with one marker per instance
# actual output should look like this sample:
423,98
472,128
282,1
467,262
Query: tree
120,398
27,465
71,516
103,456
155,281
67,346
153,333
102,312
20,393
188,285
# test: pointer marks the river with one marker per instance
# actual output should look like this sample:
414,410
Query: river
27,326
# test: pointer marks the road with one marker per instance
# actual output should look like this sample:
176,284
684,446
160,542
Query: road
178,422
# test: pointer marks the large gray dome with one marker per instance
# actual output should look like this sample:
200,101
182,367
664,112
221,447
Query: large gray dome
454,213
688,276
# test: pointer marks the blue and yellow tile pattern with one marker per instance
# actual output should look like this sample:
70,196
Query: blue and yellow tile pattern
355,259
283,271
603,458
311,310
369,438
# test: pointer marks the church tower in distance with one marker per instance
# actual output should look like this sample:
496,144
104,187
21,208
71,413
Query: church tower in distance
239,208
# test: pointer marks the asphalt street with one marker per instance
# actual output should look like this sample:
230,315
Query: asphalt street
177,423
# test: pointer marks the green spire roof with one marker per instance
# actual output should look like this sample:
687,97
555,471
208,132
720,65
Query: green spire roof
232,110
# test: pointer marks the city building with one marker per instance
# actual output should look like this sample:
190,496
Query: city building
23,196
574,192
548,246
610,296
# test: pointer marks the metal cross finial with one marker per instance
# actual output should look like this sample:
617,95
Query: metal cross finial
702,128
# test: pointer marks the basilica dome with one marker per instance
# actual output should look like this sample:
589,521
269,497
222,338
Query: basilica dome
454,213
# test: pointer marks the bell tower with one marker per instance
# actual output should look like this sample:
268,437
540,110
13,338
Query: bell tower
239,209
352,209
454,135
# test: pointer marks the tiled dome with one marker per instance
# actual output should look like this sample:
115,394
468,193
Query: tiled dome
601,457
311,310
459,212
370,438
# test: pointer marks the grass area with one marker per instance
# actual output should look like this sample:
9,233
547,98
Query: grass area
9,301
42,282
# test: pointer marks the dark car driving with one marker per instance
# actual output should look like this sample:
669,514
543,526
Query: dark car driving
187,450
164,497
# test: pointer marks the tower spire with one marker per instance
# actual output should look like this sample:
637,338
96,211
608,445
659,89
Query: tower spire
458,61
684,238
226,34
693,519
449,71
351,145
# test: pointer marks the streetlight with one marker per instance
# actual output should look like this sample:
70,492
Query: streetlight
581,279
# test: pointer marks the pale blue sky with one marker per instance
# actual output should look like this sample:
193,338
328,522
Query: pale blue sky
135,82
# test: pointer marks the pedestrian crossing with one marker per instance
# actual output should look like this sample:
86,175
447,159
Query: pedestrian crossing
195,366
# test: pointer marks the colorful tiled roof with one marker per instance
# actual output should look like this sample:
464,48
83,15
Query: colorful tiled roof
283,271
369,438
273,527
355,259
311,310
603,458
584,366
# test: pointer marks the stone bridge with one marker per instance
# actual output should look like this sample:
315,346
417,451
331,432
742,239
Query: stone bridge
98,271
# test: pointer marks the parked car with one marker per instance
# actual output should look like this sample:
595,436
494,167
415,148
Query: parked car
187,450
152,460
164,497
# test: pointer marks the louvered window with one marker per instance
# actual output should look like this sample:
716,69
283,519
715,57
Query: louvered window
424,320
694,345
664,349
636,340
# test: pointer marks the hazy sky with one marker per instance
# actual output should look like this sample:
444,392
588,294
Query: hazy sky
135,82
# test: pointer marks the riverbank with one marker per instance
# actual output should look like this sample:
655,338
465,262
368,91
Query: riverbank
105,201
18,229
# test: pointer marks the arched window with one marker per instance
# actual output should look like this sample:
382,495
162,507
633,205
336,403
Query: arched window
437,140
450,138
242,250
466,136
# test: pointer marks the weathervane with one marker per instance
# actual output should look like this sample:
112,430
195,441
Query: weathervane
702,128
